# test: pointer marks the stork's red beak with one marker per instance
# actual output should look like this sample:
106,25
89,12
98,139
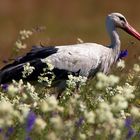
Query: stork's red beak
129,29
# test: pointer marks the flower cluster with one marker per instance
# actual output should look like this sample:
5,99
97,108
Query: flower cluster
19,44
106,81
121,64
27,70
24,34
47,76
74,80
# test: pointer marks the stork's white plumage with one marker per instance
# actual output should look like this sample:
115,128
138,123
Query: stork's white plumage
85,59
81,57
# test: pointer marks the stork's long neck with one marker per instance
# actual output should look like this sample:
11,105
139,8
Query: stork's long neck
115,40
115,44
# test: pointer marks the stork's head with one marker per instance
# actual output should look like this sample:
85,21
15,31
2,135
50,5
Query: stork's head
117,20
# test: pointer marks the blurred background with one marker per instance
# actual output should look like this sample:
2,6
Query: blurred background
65,21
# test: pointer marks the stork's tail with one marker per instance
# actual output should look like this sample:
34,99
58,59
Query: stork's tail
8,74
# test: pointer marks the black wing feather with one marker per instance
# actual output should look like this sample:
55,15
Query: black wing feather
36,52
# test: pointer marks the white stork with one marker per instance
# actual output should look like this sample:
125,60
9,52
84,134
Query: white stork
85,59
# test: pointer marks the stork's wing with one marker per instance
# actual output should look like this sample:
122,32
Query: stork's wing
76,59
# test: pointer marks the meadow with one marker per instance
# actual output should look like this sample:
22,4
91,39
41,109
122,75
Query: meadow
106,107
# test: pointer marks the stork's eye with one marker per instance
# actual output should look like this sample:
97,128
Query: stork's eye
122,19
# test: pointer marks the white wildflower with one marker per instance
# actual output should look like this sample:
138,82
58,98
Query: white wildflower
74,80
57,122
136,68
100,85
82,136
120,122
25,34
119,103
89,116
12,90
82,106
27,70
47,71
69,126
119,89
48,63
105,81
128,91
24,108
101,76
123,114
100,99
104,106
30,88
40,124
90,133
30,92
51,103
135,111
20,45
106,117
70,82
44,106
104,109
45,79
121,64
7,113
112,80
5,107
18,84
71,110
60,108
35,104
117,134
82,80
52,136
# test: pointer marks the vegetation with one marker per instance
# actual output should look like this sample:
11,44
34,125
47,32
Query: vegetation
105,107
